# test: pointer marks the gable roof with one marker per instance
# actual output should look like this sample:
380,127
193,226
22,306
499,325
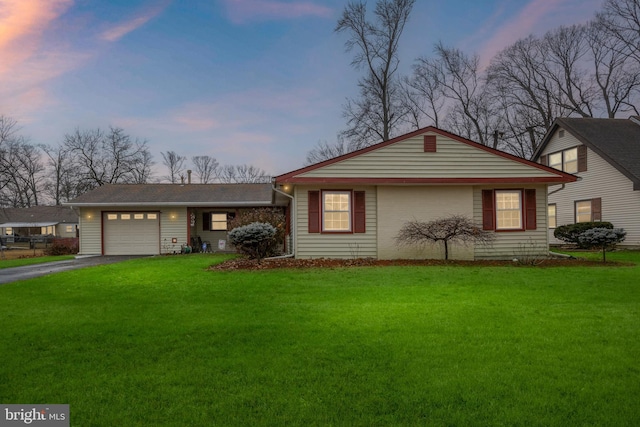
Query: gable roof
38,215
404,160
615,140
202,195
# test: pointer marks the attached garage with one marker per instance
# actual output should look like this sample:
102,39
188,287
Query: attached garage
131,233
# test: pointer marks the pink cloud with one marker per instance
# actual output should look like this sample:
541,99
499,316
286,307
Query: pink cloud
537,17
22,25
242,11
120,30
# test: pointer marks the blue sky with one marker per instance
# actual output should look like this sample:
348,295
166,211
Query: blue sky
245,81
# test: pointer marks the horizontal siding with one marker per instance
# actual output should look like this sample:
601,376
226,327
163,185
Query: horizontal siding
398,205
173,224
620,203
407,159
318,245
90,223
515,244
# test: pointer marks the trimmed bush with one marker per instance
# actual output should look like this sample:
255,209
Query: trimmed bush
255,240
273,216
602,238
570,233
65,246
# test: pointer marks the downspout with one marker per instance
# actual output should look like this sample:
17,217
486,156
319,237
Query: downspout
556,254
292,254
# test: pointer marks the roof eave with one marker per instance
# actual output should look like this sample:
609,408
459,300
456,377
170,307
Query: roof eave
169,204
434,181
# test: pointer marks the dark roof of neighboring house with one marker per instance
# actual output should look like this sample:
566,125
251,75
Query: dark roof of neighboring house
38,214
615,140
202,195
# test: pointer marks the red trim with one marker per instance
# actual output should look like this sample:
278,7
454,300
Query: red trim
291,177
488,210
313,202
353,181
359,212
530,213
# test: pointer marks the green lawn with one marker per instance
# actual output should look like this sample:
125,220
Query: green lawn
20,262
162,341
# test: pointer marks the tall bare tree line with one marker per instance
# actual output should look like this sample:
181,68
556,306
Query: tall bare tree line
590,70
33,174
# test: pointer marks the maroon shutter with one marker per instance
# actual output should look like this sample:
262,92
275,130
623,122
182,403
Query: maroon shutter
582,158
530,219
543,160
206,221
359,214
488,221
596,209
429,143
314,211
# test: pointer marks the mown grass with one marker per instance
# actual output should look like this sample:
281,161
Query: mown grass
20,262
162,341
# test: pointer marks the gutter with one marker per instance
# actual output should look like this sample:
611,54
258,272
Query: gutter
293,252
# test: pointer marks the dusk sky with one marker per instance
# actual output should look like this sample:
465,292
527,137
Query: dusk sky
245,81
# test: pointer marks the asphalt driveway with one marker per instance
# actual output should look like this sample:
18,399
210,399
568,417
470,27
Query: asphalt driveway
8,275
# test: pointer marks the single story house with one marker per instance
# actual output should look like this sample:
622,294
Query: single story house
152,219
36,221
605,155
354,205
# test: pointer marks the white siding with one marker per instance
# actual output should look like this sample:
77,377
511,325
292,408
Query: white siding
173,224
515,244
319,245
620,203
398,204
407,159
90,221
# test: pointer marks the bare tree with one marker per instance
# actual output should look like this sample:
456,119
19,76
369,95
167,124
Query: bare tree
247,174
621,19
205,168
175,163
108,157
375,115
424,95
456,228
325,151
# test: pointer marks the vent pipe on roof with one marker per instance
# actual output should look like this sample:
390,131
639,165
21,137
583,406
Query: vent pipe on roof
188,176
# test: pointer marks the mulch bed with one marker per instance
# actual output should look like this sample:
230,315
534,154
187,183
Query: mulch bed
269,264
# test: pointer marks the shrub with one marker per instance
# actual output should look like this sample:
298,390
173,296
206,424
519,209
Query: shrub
272,216
67,246
602,238
255,240
569,233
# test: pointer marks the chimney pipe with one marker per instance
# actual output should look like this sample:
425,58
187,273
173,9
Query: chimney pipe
188,176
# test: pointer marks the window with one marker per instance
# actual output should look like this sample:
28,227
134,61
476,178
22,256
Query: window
219,221
125,217
138,216
588,210
112,217
331,211
152,216
336,211
571,160
553,221
508,210
9,231
69,228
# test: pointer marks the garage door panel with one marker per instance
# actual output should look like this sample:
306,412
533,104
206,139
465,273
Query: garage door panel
131,233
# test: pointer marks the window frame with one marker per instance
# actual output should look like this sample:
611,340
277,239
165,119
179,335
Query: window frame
520,209
575,208
554,216
324,211
219,221
562,164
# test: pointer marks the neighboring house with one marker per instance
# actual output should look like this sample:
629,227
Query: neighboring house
56,221
151,219
605,155
354,205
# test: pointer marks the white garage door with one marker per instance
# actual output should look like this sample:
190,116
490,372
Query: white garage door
131,233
